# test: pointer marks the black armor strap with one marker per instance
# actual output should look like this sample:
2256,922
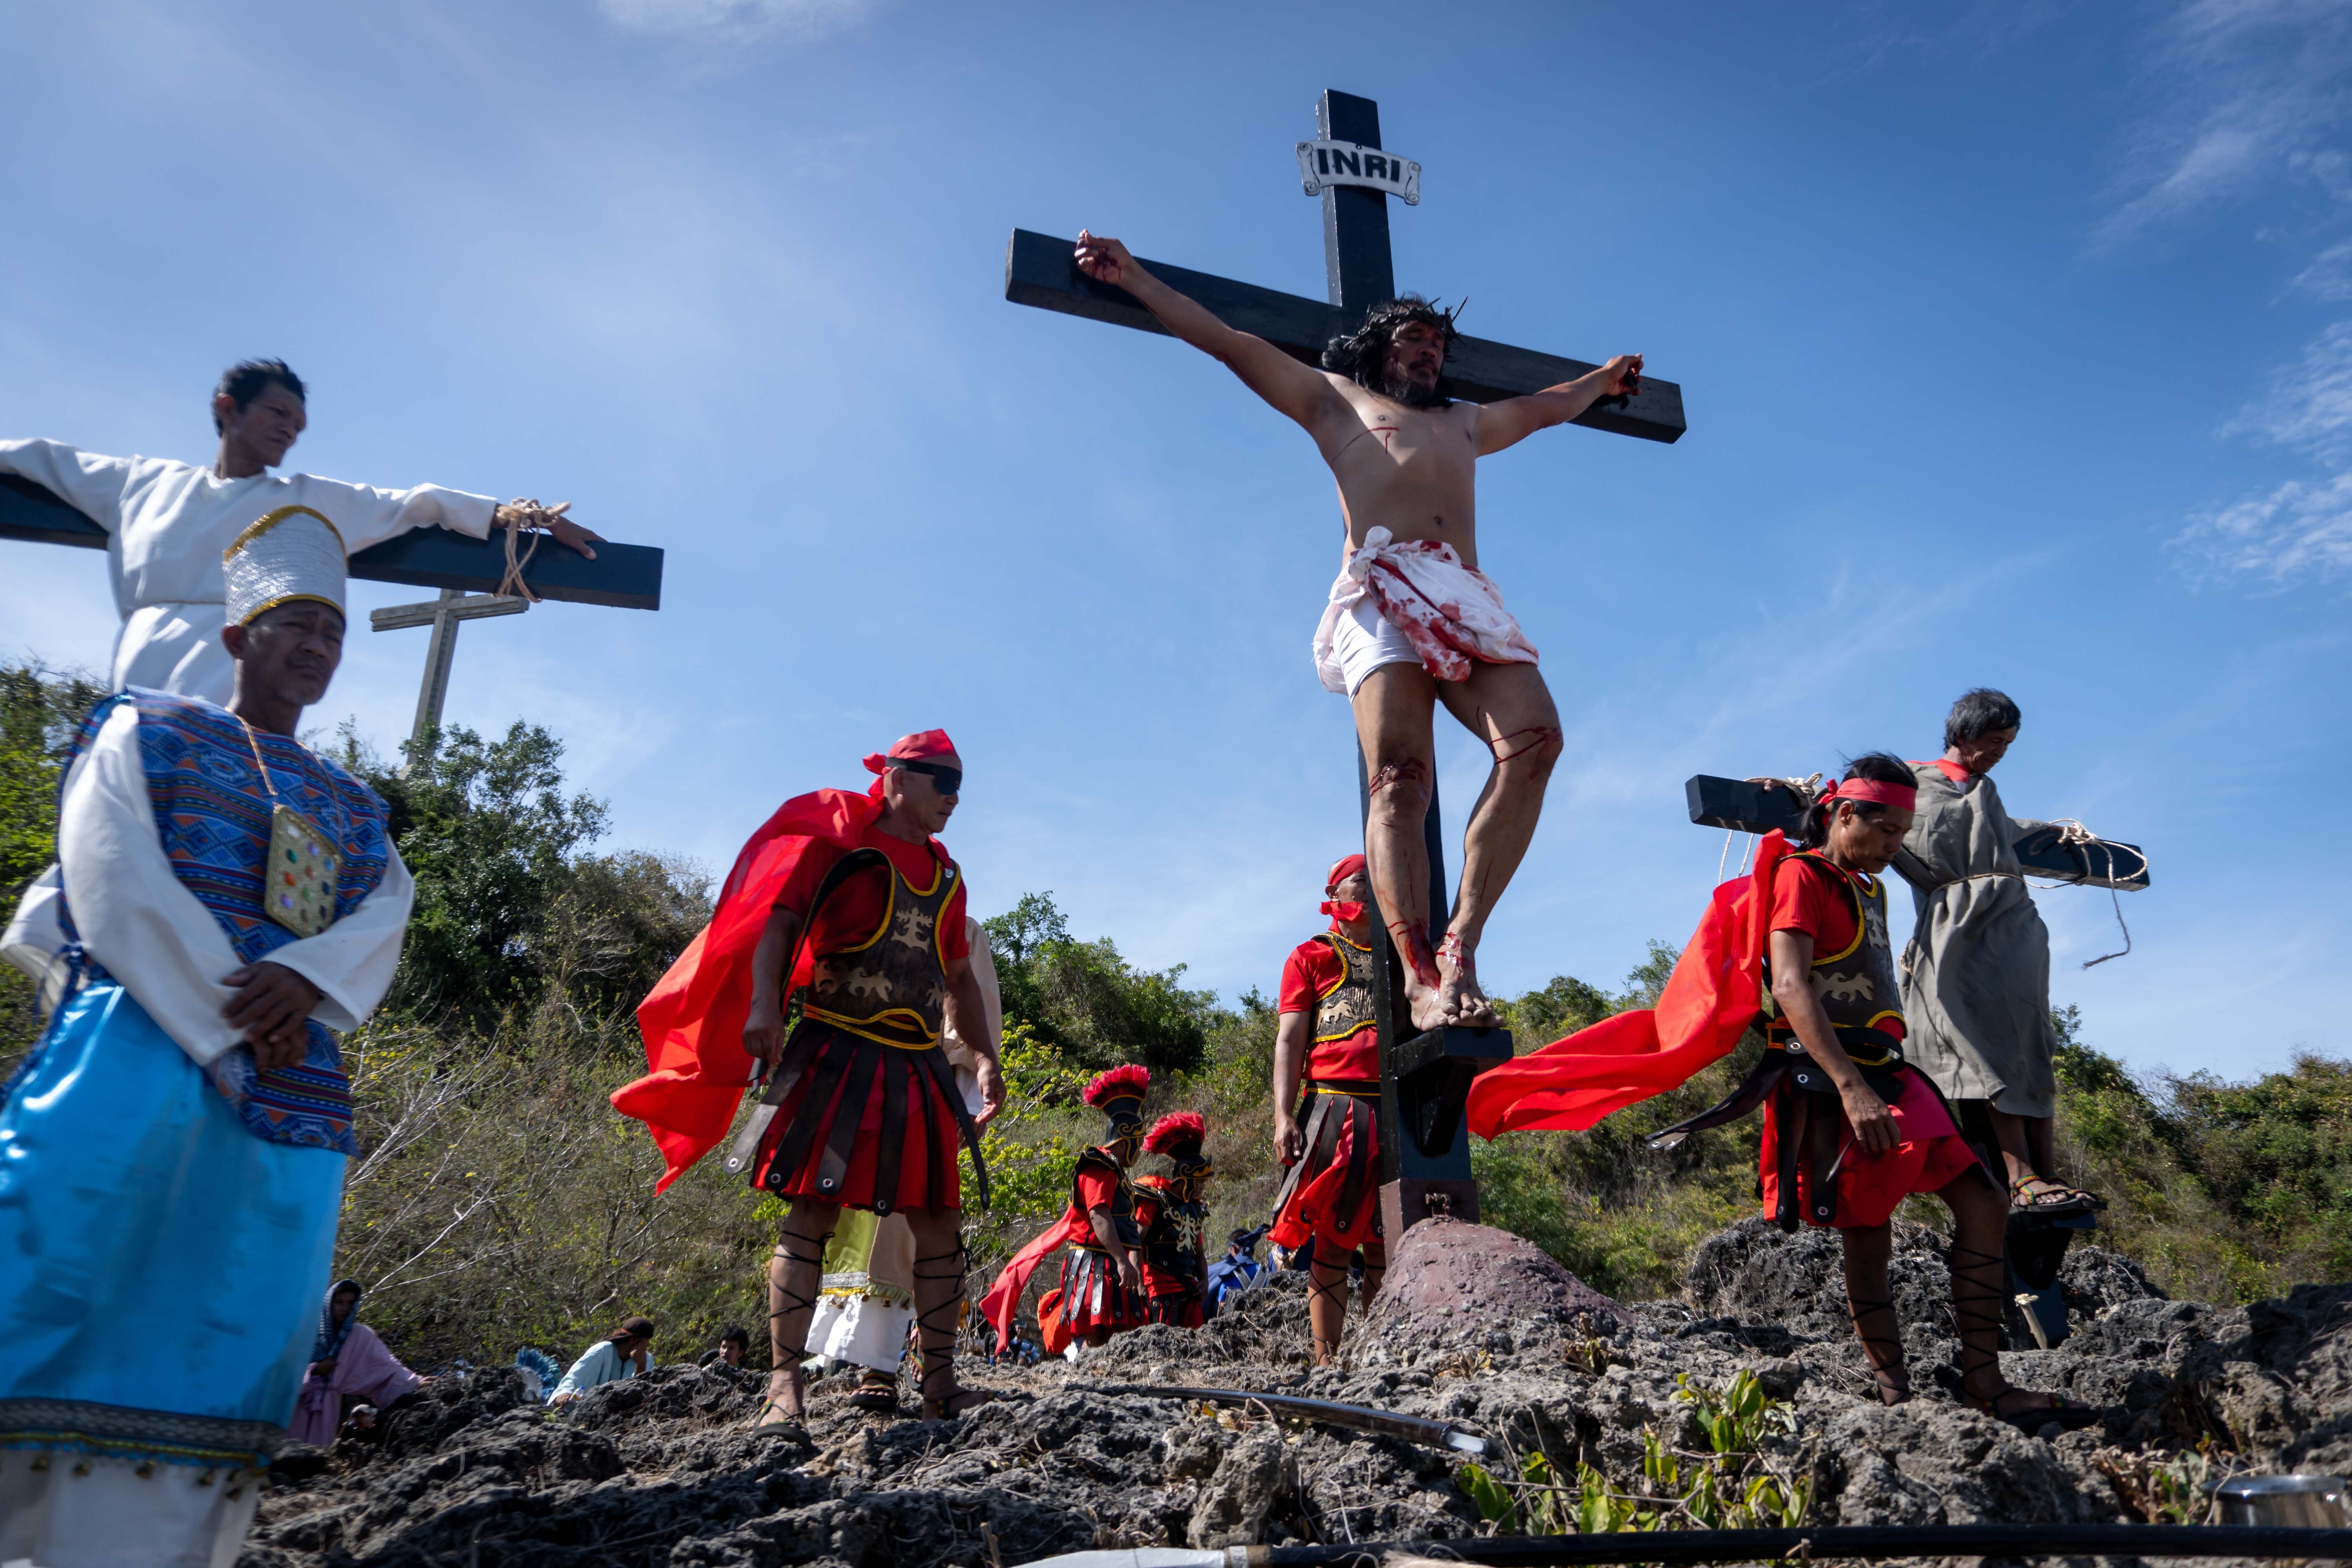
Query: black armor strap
1332,1115
935,1062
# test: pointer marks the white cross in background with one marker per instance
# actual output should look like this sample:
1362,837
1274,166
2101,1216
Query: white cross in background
443,614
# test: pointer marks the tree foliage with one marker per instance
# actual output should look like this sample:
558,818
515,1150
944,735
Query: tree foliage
40,709
1087,1002
509,903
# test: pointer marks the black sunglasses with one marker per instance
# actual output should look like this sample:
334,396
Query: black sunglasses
948,781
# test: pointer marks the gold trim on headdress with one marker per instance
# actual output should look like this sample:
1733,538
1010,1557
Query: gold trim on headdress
260,610
269,520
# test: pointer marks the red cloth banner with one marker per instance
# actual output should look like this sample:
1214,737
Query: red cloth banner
1713,995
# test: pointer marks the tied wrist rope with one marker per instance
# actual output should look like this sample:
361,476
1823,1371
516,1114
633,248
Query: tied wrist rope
2074,835
528,517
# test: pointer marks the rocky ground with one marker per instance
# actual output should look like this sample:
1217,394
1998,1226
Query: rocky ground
1479,1329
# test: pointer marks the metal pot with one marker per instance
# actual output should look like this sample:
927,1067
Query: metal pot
2316,1501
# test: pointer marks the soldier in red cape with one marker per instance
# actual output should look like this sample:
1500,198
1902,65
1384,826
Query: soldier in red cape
1850,1128
1102,1288
1174,1220
851,901
1331,1195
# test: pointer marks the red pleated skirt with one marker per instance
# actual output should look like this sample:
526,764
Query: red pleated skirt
926,1139
1318,1208
1092,1297
1871,1186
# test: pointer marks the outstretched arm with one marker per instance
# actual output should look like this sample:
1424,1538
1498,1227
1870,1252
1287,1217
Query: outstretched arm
1516,418
1291,387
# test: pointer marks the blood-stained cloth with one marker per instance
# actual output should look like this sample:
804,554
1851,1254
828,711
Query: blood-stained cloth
1451,614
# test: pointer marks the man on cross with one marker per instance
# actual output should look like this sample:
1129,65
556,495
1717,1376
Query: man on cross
1412,621
167,522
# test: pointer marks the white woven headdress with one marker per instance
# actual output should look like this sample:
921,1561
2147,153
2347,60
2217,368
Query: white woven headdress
291,553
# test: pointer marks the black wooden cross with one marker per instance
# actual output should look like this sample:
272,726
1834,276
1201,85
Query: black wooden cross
1425,1159
1750,806
628,576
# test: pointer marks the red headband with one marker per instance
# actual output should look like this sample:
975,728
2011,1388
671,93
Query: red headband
913,748
1902,797
1342,869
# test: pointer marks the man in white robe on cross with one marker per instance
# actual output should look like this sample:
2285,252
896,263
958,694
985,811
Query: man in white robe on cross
167,522
167,525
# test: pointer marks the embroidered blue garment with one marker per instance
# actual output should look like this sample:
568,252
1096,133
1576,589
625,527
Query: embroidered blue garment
157,1262
212,813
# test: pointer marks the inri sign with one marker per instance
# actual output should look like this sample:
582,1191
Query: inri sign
1322,163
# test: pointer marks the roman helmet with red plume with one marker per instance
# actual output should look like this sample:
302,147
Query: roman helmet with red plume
1118,1094
1177,1135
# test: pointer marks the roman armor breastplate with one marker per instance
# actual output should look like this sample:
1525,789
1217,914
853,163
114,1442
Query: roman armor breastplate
1856,986
1122,1202
893,985
1347,1006
1179,1236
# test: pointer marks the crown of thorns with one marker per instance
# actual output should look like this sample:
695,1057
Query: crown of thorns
1362,351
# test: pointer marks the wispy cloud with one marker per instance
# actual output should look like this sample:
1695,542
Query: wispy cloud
735,21
2244,95
2240,91
2301,529
2329,276
2310,406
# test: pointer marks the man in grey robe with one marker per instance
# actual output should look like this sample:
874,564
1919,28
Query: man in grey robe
1976,974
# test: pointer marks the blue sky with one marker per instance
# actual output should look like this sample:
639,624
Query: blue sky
2016,340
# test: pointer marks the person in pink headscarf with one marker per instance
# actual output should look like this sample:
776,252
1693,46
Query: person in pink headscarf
349,1365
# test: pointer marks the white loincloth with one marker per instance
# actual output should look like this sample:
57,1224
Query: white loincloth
1412,603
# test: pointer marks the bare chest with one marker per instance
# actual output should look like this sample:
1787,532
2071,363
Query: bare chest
1413,472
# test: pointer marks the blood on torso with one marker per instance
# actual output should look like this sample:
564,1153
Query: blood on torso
1410,470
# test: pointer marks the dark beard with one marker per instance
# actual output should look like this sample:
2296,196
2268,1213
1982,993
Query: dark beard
1412,396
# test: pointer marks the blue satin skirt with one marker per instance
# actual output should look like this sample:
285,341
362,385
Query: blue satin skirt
161,1267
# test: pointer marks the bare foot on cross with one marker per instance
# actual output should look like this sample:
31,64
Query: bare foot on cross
1456,998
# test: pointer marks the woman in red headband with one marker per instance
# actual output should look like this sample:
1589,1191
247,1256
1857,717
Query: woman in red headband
1850,1130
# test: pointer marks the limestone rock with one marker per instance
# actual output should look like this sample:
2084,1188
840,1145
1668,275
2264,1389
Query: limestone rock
1477,1328
1449,1270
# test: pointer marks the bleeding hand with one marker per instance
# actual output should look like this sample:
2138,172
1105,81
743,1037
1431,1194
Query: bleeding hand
1104,260
271,1006
1624,374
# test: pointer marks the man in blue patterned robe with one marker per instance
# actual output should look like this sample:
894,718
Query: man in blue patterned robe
172,1153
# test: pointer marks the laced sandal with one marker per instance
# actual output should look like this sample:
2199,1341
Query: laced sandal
2061,1412
772,1416
1894,1379
936,1354
1978,1311
2049,1198
876,1391
773,1419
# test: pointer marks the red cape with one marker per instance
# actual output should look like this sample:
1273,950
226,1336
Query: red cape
1002,1303
1708,1002
693,1018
